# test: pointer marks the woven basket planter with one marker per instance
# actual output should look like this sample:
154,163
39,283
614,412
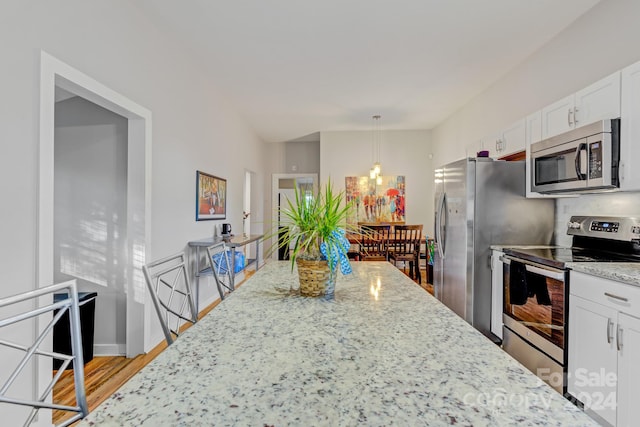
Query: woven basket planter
314,277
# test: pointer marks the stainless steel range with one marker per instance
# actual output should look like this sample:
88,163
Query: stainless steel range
536,289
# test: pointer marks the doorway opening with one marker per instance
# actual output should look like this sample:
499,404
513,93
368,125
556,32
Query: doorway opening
282,189
90,214
56,75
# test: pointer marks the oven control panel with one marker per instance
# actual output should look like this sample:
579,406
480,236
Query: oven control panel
607,227
614,228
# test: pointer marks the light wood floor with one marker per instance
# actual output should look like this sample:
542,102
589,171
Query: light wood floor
105,375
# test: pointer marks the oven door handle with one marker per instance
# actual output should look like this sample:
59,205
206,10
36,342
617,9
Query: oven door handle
545,272
536,268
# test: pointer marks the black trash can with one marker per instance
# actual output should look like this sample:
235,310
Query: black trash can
62,331
283,252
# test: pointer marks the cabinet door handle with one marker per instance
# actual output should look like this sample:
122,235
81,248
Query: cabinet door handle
619,338
609,327
616,297
569,113
575,115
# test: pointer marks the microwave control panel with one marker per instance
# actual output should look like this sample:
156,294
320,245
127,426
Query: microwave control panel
595,160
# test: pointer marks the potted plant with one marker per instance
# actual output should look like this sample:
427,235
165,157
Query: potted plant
317,238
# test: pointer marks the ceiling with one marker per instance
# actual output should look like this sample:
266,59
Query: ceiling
294,67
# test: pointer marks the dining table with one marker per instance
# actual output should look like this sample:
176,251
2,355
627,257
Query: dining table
381,352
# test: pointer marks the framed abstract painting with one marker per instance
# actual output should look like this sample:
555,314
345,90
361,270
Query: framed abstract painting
376,203
211,197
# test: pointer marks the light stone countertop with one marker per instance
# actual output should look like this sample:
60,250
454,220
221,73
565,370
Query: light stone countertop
387,354
627,272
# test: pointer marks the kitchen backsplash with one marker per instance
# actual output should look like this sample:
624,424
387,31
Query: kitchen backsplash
613,204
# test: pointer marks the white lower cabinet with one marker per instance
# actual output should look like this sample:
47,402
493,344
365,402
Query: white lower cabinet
604,348
592,364
628,370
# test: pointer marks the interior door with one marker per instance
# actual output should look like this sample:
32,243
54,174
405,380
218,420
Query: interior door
283,191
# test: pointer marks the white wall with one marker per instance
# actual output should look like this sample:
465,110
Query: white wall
599,43
194,128
90,214
405,153
302,157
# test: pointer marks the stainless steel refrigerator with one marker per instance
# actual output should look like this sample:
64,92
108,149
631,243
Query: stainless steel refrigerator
478,203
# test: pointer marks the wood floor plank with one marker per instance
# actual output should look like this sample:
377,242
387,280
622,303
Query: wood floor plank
105,375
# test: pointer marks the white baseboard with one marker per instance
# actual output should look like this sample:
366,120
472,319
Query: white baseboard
109,349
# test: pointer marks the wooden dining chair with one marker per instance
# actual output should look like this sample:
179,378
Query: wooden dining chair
170,289
374,243
40,304
220,265
404,246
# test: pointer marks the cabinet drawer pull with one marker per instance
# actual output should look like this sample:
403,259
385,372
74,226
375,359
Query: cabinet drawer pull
619,338
609,327
616,297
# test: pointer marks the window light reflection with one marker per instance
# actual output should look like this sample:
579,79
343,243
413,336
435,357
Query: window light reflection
375,288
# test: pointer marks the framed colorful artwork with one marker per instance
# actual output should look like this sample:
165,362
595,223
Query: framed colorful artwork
376,203
211,197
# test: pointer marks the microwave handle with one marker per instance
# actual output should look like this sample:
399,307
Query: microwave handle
578,161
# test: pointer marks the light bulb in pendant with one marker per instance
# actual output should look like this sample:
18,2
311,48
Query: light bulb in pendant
379,180
372,174
376,168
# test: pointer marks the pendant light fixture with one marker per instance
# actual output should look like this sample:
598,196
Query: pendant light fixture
376,171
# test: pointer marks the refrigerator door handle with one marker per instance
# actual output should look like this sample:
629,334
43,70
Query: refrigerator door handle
440,226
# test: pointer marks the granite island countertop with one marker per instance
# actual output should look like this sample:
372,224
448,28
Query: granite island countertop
383,352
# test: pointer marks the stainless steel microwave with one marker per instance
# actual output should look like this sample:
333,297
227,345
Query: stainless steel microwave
581,160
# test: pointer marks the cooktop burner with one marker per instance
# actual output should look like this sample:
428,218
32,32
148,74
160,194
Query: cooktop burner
558,256
595,239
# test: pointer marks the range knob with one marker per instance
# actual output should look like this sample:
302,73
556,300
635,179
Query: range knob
574,225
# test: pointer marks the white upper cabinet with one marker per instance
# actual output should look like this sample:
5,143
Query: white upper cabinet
508,141
491,143
558,117
598,101
630,129
533,134
512,139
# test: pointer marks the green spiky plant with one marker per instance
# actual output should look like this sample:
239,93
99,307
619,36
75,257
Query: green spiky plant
313,221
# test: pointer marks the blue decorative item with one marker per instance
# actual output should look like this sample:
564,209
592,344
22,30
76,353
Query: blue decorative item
337,252
221,261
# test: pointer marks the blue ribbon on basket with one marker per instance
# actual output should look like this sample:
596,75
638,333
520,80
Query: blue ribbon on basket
334,254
